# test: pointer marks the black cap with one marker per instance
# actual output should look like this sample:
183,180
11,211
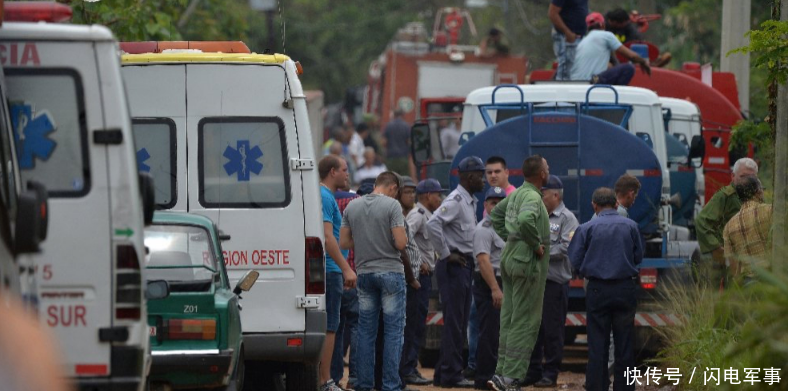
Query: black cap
471,163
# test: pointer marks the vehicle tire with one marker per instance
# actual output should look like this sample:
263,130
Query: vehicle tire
302,377
428,357
237,379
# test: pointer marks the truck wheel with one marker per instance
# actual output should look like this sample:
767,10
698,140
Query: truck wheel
237,380
428,357
301,377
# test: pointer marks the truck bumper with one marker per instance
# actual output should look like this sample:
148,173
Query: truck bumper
197,368
289,347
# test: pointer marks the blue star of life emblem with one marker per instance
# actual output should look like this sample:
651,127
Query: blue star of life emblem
242,160
30,133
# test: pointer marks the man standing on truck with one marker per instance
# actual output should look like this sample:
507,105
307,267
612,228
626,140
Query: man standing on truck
595,52
550,343
521,219
567,17
333,175
487,293
711,221
612,286
374,226
428,193
451,233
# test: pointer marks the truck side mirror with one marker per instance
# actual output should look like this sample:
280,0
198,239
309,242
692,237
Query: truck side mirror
697,148
246,282
32,219
148,197
223,237
157,289
420,143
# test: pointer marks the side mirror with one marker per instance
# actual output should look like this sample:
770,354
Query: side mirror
223,237
420,143
697,148
157,289
466,136
246,282
148,197
32,219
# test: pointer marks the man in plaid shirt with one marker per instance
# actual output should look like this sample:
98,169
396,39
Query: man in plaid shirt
746,236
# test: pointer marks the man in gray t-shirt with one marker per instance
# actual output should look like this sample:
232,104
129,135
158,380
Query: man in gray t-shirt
375,227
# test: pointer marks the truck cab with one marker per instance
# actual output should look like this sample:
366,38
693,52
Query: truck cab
73,132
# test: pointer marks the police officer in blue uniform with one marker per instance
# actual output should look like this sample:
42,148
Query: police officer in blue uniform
451,230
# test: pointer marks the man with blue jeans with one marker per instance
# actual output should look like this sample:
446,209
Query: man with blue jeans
333,175
375,227
595,52
606,250
567,17
348,314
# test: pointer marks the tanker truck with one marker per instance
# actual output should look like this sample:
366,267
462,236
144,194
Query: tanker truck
590,135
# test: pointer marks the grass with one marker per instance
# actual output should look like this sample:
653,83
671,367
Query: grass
743,327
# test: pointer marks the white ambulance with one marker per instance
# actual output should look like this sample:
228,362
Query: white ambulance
71,121
225,133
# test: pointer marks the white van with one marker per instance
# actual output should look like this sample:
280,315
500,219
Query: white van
69,114
226,135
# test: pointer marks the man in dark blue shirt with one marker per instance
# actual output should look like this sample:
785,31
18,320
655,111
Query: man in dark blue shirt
606,251
569,26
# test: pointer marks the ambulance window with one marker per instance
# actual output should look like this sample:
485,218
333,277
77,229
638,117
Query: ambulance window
242,162
155,143
49,122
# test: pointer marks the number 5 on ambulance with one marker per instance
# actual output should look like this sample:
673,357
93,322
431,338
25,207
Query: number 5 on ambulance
73,135
224,132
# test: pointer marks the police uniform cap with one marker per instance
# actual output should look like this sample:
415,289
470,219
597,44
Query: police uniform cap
553,183
495,192
470,164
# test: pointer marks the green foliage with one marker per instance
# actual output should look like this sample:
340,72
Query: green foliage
758,133
151,20
770,49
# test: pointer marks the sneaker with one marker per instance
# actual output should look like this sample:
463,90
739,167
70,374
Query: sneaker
330,386
416,380
496,383
513,386
469,373
418,374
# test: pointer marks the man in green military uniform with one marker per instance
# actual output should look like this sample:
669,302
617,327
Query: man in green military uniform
712,218
522,220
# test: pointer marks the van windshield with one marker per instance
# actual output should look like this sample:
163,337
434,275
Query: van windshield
179,253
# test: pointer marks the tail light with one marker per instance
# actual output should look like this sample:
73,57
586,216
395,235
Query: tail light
200,329
648,278
36,11
315,267
128,283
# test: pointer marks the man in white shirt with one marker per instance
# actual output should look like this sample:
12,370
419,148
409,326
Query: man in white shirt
595,52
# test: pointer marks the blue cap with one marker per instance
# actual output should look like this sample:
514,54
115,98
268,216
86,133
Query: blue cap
429,185
366,187
495,192
553,183
470,164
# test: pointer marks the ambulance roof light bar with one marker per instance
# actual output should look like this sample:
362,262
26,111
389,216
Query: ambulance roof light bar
36,11
169,46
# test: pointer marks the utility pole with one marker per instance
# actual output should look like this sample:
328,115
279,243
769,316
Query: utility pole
780,162
736,23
